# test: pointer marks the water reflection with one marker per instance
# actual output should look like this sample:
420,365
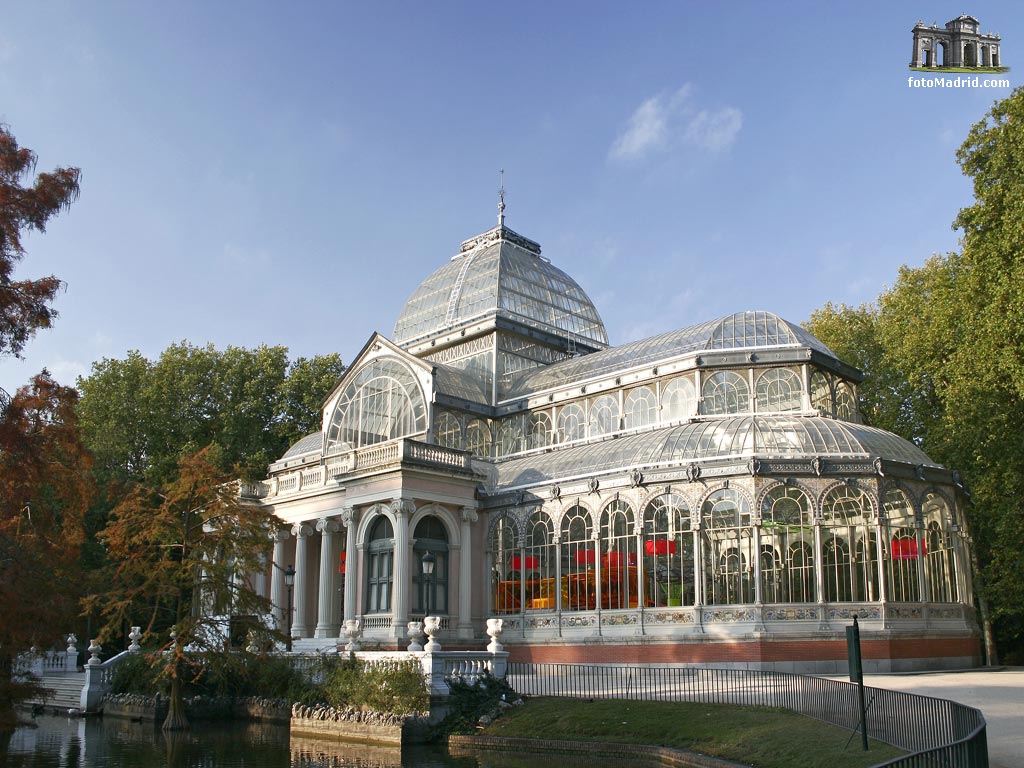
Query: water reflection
59,742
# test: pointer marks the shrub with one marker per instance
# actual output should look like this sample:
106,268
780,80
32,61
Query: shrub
393,688
135,674
469,701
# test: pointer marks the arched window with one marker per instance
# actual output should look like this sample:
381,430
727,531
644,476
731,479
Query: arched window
604,415
846,403
779,389
430,593
846,528
788,528
727,543
380,564
448,431
382,401
678,399
510,435
904,556
939,556
478,438
537,565
725,392
572,422
641,408
668,551
538,434
578,557
821,393
503,550
618,557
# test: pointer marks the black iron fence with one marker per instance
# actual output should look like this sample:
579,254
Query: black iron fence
936,732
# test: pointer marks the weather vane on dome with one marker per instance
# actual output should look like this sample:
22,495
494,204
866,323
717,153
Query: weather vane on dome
501,199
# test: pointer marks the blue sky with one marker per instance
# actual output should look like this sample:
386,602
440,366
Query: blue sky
289,173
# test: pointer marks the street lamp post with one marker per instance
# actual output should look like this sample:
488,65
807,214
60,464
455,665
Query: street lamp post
289,582
428,577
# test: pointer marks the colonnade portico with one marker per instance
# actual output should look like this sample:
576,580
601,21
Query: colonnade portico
959,42
329,590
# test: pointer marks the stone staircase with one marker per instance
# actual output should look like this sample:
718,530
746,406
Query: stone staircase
67,691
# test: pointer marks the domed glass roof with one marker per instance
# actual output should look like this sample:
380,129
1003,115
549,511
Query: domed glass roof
500,273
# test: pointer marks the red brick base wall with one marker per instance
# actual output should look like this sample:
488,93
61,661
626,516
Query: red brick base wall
747,651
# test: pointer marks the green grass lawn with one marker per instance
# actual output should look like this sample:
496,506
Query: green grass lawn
760,736
975,70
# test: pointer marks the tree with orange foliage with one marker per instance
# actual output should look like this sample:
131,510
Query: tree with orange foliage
46,487
181,554
45,482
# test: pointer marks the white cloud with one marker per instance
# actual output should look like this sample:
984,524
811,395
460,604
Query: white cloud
667,122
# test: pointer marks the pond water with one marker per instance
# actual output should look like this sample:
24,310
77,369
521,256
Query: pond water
61,742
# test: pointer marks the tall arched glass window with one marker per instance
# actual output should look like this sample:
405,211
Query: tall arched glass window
379,566
572,422
846,402
678,399
578,557
430,594
478,438
604,415
668,553
787,529
382,401
448,430
904,556
725,392
504,549
510,435
849,552
640,408
821,393
618,557
538,430
727,548
779,389
939,555
537,566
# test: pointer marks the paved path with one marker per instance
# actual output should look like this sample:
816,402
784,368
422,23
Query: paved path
998,693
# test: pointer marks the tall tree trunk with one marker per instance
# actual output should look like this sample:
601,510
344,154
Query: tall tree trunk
176,719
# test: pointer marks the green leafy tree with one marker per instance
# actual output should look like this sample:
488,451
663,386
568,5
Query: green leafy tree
179,554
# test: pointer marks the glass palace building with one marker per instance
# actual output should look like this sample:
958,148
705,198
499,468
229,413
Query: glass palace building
706,496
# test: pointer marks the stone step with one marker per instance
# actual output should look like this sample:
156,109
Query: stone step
67,691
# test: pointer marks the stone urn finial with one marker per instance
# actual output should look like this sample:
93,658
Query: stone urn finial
494,630
95,649
253,645
415,633
352,632
72,642
135,635
432,625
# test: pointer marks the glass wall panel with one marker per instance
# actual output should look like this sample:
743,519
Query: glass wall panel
537,566
939,558
678,399
727,548
850,556
618,557
504,548
604,415
510,435
448,430
579,591
787,546
668,553
821,393
779,389
379,566
641,408
725,392
430,593
903,558
538,430
846,402
478,438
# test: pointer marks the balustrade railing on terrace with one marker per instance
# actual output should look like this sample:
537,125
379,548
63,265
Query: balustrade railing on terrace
935,731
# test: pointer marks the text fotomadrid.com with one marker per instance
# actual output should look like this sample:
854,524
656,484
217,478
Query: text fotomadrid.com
957,82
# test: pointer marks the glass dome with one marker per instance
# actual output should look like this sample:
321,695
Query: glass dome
500,273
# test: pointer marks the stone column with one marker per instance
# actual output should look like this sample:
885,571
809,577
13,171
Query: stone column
278,598
300,625
259,577
350,518
327,611
465,627
400,584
